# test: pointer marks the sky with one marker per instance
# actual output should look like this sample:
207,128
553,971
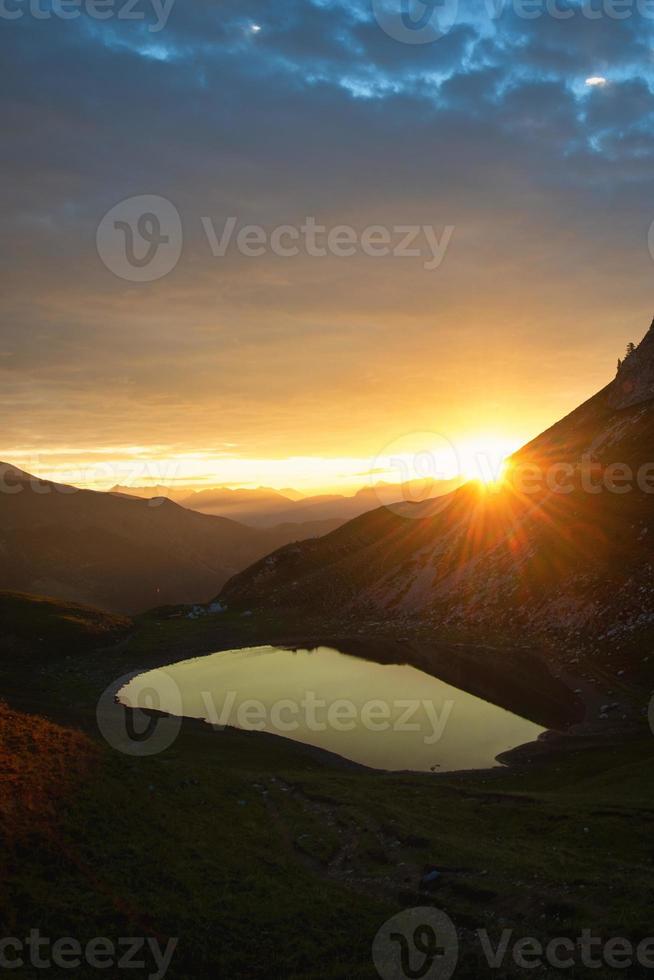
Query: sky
140,342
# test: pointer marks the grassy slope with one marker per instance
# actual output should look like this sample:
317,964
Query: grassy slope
49,626
269,863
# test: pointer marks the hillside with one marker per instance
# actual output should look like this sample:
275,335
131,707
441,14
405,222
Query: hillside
224,829
50,626
554,556
122,554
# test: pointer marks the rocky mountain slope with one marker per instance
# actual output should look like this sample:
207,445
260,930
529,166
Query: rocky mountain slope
564,545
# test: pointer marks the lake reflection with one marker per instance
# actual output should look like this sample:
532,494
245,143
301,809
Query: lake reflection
386,716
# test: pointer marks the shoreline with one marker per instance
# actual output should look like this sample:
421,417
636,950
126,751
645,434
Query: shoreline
581,734
424,651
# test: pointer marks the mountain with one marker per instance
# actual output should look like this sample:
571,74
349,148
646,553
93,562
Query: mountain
291,493
178,494
266,508
120,553
10,475
558,547
259,507
342,509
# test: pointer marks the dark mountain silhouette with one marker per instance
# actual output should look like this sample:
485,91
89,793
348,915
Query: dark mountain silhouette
554,554
119,553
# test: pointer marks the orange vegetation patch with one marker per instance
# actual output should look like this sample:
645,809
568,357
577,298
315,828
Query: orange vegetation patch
40,763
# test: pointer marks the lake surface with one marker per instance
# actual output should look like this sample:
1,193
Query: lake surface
386,716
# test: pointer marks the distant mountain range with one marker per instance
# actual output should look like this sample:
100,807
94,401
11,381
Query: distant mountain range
554,554
264,507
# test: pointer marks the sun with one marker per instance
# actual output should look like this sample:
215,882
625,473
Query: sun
428,457
483,458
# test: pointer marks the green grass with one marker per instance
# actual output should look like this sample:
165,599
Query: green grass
267,862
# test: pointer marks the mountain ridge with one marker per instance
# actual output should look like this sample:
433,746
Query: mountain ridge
504,560
267,508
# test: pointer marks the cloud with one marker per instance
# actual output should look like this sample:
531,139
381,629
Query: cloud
490,129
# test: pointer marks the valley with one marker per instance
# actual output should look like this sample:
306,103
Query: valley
326,490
